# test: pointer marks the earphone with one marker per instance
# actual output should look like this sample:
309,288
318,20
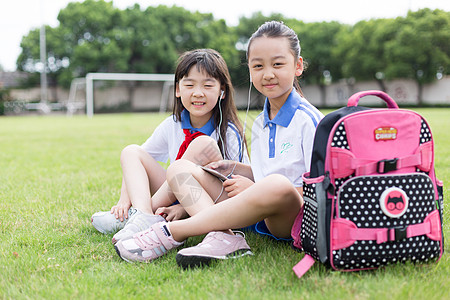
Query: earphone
246,114
220,122
245,121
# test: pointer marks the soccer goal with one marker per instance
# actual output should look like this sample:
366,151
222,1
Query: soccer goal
167,79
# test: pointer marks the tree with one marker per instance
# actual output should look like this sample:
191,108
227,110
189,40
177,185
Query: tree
92,32
318,41
85,41
94,36
361,49
421,48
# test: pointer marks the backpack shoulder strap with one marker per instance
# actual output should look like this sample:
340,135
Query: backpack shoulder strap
303,266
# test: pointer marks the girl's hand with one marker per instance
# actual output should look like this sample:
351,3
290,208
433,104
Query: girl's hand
225,167
120,210
236,185
172,213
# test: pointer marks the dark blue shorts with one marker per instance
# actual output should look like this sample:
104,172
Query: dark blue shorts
261,228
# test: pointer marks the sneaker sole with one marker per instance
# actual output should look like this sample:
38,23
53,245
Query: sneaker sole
123,258
195,261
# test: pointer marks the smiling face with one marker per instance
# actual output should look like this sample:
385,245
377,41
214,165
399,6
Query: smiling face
199,93
273,67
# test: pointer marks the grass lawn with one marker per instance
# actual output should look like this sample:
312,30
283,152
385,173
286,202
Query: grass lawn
55,172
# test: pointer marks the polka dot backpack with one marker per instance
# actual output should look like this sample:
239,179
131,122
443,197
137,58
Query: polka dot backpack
371,196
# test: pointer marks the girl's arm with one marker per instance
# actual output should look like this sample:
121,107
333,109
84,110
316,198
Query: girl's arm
231,167
120,210
236,184
172,213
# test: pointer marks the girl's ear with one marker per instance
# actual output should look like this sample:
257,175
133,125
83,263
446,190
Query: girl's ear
177,90
222,92
299,67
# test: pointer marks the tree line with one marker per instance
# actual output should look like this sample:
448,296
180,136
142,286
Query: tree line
95,36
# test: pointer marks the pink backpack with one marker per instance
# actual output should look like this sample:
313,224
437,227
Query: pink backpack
371,196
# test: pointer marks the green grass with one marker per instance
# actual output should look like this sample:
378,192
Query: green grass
56,171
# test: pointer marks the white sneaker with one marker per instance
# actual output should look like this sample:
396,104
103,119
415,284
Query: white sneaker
139,222
216,245
147,245
106,222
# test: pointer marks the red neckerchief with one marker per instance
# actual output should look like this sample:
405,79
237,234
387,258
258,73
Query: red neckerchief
189,137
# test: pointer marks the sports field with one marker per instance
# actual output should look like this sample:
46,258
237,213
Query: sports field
55,172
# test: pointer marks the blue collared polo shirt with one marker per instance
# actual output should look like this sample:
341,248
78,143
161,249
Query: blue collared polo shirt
284,145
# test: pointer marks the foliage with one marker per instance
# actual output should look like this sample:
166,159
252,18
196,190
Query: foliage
57,171
317,41
421,47
4,96
361,47
94,36
416,47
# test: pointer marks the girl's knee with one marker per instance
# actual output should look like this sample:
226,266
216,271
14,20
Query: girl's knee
279,184
203,150
181,167
203,140
279,190
131,149
132,152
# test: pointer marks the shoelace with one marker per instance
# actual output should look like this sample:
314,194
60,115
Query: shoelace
221,237
138,221
145,239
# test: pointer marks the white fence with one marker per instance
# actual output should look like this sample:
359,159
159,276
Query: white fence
157,95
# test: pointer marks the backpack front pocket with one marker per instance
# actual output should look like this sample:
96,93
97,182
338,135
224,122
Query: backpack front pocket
385,219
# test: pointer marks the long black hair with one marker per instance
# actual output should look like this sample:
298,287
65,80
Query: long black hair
211,62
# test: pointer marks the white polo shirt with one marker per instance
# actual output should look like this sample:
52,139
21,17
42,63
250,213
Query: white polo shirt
284,145
164,143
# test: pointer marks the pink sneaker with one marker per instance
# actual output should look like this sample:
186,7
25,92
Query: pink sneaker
216,245
147,245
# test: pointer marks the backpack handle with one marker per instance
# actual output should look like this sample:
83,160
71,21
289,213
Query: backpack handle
353,100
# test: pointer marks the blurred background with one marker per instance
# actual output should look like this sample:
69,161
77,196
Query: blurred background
99,56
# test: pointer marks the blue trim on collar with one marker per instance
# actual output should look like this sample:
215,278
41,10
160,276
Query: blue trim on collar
236,132
207,129
286,112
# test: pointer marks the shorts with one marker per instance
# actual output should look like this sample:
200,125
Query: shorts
261,228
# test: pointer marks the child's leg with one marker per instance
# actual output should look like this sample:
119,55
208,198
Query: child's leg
183,177
201,151
273,199
142,176
138,168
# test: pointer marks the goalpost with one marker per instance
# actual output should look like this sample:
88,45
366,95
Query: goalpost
90,77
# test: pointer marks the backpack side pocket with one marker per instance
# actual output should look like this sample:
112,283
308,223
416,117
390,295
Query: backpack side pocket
313,230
